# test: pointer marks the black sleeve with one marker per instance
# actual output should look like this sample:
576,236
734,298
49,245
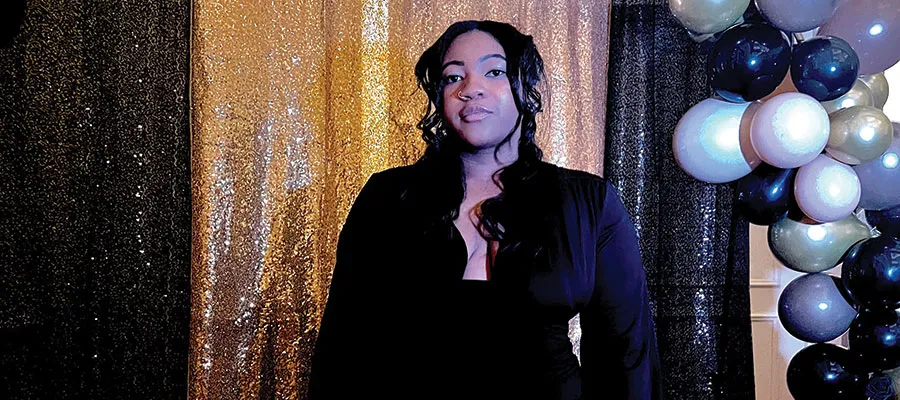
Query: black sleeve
618,343
343,356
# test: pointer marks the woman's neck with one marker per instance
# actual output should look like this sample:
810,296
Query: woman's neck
480,165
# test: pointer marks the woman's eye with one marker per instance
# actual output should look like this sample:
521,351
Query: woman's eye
451,79
496,72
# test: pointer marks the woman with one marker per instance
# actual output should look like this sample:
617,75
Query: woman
456,276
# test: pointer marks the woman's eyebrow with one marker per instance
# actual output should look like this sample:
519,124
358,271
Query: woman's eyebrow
482,59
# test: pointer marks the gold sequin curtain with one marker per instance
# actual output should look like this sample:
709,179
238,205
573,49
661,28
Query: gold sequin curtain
294,104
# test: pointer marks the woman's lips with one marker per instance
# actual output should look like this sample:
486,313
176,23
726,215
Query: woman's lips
474,113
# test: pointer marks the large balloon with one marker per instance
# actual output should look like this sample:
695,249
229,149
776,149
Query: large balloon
878,84
875,337
886,221
859,134
815,248
859,95
710,143
813,309
789,130
824,67
824,371
797,15
872,27
766,194
826,190
748,62
880,178
871,272
708,16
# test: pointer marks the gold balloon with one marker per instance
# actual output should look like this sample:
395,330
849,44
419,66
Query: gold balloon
858,134
708,16
815,247
878,84
858,95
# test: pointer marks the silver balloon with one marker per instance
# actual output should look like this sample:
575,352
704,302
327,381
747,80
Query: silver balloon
859,95
711,141
880,178
826,190
815,248
813,309
859,134
878,85
789,130
797,15
708,16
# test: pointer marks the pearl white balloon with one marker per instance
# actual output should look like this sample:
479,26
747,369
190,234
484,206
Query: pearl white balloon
789,130
710,144
826,190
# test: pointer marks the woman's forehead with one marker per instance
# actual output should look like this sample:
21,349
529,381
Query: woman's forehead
473,46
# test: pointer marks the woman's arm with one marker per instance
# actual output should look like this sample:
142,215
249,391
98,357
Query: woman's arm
344,351
618,344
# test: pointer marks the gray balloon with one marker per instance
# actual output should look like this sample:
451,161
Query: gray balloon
797,15
880,178
708,16
813,309
826,190
872,27
815,248
858,95
858,134
878,84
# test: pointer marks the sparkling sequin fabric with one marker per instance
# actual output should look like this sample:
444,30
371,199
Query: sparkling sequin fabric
95,200
695,247
295,104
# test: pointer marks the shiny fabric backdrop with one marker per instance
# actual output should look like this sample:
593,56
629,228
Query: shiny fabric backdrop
695,247
295,104
95,201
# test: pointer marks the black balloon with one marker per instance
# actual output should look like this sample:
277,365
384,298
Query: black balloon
871,273
10,20
875,338
887,221
824,67
748,62
824,371
766,194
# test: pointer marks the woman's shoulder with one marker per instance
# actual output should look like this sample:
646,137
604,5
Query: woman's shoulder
578,180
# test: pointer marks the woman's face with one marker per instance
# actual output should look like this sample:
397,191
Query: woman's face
478,100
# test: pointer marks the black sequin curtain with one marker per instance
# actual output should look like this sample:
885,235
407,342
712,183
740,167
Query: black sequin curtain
695,247
95,210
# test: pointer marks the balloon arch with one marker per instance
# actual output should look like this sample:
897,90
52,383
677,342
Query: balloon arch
797,124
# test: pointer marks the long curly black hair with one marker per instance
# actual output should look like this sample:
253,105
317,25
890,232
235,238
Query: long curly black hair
525,69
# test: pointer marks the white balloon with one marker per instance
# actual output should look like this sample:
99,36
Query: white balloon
790,130
826,190
711,141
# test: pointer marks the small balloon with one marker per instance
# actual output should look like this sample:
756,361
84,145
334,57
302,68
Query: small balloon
789,130
798,15
826,190
813,309
766,194
859,95
871,273
859,134
824,67
872,27
887,221
875,338
815,248
708,141
748,62
879,179
708,16
824,371
879,87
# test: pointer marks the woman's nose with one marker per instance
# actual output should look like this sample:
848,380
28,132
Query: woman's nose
472,89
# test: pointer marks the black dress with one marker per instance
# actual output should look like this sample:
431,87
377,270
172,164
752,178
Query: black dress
402,323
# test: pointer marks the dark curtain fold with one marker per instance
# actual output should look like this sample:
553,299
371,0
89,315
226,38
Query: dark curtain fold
95,208
695,246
